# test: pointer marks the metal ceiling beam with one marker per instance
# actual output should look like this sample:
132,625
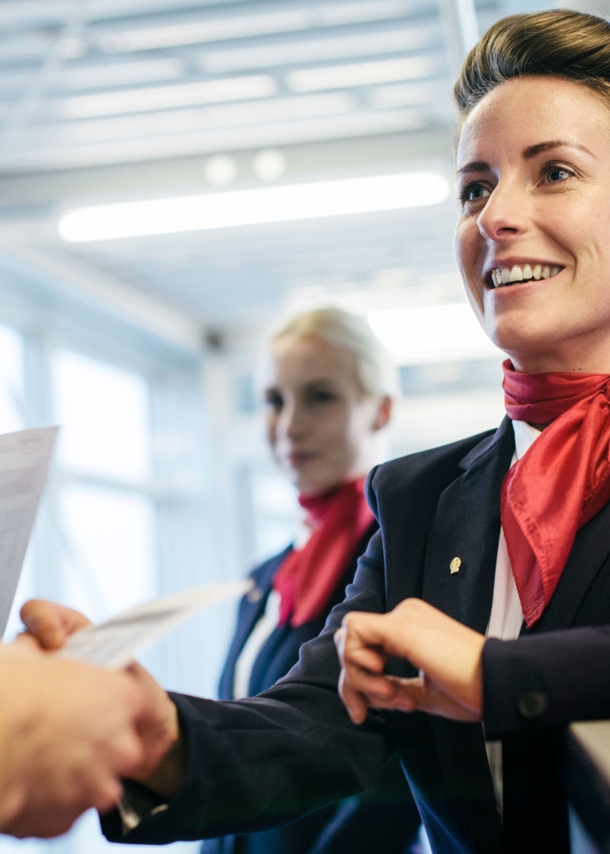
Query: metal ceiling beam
16,14
461,29
16,119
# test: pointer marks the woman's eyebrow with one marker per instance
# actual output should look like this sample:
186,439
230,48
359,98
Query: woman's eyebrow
540,147
316,383
474,166
528,153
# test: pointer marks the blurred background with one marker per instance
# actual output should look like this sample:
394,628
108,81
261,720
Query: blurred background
174,175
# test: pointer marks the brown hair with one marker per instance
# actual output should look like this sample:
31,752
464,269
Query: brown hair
558,42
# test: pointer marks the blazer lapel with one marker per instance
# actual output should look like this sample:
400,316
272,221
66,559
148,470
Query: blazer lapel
461,555
465,531
251,609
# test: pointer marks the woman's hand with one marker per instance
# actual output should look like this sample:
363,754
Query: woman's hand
163,768
447,654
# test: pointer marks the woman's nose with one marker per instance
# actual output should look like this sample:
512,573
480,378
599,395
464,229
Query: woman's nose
290,423
505,214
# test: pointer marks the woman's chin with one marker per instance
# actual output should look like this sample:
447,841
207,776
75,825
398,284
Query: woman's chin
315,485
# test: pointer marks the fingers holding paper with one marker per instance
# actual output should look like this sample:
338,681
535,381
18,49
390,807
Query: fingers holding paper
51,624
447,654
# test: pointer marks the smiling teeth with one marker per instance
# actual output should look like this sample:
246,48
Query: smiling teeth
505,276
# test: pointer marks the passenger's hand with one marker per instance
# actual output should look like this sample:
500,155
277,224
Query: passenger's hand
163,763
446,653
68,733
51,624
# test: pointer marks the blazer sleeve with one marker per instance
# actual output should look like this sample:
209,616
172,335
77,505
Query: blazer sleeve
546,680
256,763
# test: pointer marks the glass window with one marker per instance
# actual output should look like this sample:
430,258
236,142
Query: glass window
11,380
107,549
120,520
104,413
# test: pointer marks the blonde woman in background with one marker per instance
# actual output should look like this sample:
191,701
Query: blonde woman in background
327,388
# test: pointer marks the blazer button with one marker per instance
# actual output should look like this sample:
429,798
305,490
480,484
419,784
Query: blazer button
254,595
532,705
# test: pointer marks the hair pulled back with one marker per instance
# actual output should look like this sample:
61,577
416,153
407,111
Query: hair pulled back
559,42
340,328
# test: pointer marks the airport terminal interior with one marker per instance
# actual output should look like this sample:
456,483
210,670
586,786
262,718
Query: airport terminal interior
175,175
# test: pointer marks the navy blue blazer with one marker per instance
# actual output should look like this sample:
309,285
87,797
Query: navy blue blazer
254,763
385,814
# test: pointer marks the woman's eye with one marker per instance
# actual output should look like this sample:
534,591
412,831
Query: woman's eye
474,192
557,174
275,401
321,396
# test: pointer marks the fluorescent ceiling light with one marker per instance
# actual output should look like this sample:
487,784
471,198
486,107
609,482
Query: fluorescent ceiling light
197,31
37,153
126,8
124,73
406,95
334,14
36,13
191,120
360,74
318,49
431,333
169,97
254,207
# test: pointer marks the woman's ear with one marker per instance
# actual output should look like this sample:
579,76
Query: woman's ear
384,412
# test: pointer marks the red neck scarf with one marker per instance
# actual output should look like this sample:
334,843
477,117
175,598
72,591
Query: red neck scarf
307,578
560,483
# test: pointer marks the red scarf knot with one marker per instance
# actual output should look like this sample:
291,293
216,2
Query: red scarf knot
562,481
309,576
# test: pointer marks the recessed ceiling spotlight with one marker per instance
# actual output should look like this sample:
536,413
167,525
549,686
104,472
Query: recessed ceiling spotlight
220,170
269,165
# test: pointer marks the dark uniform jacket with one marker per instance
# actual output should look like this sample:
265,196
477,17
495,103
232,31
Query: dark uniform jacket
384,815
254,763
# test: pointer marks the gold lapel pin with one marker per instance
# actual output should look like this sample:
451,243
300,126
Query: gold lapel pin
455,565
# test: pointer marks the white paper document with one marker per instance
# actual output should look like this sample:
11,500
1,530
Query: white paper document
24,462
115,642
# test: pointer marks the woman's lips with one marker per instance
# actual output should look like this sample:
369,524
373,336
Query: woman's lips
299,458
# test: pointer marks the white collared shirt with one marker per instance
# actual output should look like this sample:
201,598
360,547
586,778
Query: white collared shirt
506,618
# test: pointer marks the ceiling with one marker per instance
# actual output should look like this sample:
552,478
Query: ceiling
110,100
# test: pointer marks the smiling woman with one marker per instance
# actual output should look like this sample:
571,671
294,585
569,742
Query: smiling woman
532,237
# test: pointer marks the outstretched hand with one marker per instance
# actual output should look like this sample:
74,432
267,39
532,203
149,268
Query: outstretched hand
446,653
162,768
68,734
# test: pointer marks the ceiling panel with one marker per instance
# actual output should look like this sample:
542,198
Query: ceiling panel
113,100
